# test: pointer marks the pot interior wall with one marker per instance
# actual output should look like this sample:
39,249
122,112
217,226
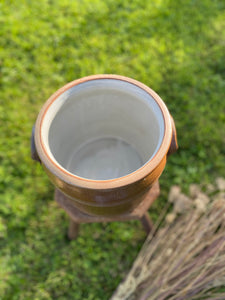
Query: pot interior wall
103,129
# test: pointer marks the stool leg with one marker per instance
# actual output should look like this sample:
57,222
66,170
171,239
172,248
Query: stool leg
146,223
73,230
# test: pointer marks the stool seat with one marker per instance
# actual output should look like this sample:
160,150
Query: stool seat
77,217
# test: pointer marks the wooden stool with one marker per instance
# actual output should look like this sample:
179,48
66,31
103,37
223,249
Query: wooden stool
77,217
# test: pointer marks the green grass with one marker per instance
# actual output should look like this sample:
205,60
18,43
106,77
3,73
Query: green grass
176,48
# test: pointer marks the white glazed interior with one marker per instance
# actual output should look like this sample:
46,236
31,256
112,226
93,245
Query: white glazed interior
103,129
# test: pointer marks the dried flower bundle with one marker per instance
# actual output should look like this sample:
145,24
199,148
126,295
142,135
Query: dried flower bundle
185,258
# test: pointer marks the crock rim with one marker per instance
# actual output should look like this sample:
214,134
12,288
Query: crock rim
59,172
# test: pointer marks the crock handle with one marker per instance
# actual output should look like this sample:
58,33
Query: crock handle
173,146
34,154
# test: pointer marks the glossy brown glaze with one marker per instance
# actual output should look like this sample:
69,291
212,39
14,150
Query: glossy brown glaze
115,196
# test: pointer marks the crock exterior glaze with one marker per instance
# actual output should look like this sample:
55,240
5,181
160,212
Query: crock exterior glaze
117,195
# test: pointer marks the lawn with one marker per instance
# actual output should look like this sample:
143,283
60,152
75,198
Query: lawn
176,48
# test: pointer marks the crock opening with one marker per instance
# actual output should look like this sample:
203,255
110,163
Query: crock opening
103,129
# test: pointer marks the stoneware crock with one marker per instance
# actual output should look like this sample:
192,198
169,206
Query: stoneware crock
104,140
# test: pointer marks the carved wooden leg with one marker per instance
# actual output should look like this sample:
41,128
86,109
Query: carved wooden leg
73,230
147,223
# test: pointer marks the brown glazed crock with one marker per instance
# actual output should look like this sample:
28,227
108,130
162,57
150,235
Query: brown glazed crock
106,197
